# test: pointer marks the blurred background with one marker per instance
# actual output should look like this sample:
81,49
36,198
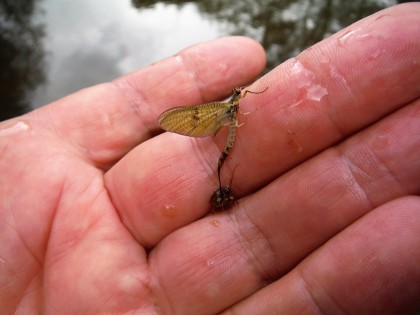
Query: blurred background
51,48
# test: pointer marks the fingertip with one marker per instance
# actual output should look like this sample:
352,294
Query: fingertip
224,63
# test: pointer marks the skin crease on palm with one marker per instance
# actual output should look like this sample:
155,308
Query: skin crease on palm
101,214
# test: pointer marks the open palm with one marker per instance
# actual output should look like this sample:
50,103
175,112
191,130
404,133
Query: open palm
102,214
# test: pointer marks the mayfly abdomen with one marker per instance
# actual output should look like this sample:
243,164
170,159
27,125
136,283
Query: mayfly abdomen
233,124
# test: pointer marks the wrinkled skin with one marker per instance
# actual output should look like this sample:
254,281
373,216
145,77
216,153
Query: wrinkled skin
101,214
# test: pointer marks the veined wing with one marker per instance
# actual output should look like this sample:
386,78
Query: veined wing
195,121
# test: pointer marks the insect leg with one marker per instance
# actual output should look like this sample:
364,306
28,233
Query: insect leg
251,92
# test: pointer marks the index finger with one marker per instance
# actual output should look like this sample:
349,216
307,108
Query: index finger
108,120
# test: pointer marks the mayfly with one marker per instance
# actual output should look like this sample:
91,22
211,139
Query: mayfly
205,120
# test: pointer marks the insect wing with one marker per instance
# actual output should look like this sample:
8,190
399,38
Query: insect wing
195,121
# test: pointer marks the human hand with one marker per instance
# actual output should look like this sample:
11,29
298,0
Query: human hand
99,214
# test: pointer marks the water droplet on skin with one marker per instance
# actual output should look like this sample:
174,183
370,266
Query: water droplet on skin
179,59
169,210
335,73
365,37
312,91
16,128
343,39
215,223
316,92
